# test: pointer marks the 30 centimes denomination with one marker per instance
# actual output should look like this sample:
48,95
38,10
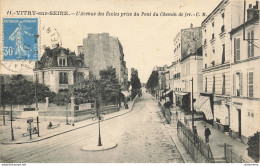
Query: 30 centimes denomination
20,39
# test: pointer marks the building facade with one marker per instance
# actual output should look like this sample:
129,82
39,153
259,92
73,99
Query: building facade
187,56
216,59
101,51
245,62
59,68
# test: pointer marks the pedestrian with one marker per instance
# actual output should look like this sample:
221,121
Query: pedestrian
207,133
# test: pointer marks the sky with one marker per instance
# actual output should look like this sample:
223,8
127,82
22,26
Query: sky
147,40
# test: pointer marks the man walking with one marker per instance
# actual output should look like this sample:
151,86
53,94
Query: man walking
207,133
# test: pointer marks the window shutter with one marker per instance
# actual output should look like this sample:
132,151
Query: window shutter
241,83
235,49
251,84
252,43
238,49
248,45
234,84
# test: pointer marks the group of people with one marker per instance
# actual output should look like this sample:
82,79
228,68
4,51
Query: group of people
207,133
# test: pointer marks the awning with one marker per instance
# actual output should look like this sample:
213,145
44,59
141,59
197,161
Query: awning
125,93
169,91
203,105
165,90
181,93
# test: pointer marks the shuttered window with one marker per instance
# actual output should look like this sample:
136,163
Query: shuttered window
250,84
241,84
236,49
250,44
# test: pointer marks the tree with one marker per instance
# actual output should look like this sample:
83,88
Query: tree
109,85
135,82
21,91
152,82
253,147
106,88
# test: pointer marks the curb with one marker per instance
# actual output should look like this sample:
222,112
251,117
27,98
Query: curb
12,143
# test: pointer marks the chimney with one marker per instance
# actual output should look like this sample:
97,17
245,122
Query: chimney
256,10
191,25
250,12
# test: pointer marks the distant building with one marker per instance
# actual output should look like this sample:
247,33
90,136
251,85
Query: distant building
59,68
101,51
245,62
186,64
161,80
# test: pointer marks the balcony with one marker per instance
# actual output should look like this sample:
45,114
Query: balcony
205,43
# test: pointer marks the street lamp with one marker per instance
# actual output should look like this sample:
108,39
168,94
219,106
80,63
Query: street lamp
192,110
99,118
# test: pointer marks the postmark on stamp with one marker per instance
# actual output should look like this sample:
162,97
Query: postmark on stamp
20,39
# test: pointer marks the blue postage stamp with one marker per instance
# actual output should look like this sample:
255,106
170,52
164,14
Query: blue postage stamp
20,39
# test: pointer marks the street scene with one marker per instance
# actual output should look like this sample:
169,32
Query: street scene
153,85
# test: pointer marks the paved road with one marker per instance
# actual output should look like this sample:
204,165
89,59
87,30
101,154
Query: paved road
140,135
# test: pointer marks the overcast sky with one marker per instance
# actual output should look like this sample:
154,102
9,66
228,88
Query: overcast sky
147,40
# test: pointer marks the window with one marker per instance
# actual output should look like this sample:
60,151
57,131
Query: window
212,24
213,85
206,84
212,36
237,84
250,84
223,54
224,84
250,44
205,66
63,78
62,61
236,49
205,55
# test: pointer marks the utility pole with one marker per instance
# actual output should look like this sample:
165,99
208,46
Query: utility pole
192,110
38,128
36,102
12,130
98,116
4,114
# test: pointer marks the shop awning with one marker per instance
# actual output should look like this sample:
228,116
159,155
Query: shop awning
169,91
181,93
125,93
165,90
203,105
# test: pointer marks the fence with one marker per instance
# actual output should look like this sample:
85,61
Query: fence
232,157
199,151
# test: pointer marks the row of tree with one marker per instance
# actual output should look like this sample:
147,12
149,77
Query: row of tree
152,82
20,91
135,83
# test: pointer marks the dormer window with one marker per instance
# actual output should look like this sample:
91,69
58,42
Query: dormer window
62,61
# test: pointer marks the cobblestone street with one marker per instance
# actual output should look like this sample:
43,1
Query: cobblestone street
140,135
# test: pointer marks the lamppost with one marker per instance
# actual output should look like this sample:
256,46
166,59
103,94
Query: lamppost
99,118
192,110
12,130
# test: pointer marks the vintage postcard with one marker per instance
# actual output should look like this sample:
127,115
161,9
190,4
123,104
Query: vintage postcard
129,81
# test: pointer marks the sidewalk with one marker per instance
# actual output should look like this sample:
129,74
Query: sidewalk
216,139
20,126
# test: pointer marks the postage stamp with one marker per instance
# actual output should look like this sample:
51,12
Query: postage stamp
20,39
